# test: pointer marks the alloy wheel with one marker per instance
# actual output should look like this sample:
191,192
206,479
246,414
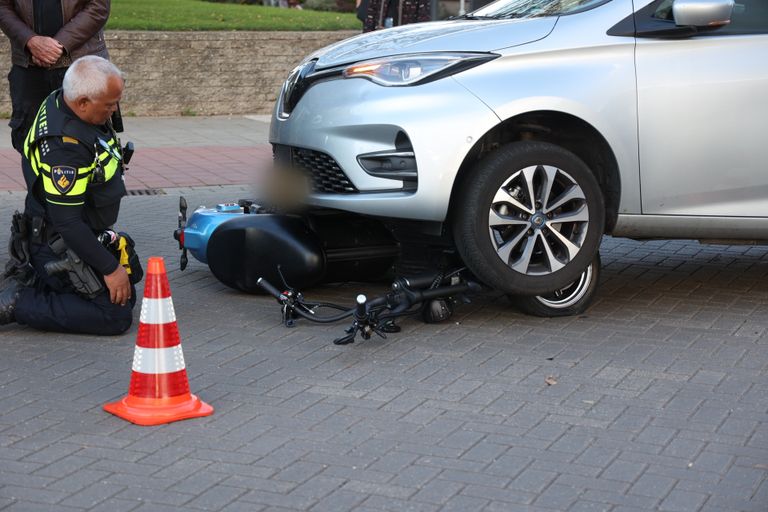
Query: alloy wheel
538,220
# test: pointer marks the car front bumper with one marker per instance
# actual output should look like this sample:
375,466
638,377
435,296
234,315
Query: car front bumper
337,121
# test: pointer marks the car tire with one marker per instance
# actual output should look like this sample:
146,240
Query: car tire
528,218
573,299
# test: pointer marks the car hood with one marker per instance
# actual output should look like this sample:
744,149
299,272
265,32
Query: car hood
442,36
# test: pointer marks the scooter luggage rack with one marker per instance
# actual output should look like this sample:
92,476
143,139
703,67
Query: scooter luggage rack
377,316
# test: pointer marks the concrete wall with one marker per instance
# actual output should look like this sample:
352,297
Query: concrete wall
173,73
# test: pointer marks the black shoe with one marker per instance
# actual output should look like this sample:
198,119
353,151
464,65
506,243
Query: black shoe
8,298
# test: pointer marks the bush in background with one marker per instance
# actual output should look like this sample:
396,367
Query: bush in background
345,5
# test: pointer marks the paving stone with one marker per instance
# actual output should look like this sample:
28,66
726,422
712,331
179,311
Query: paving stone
389,491
438,491
215,498
116,505
340,501
620,500
318,487
533,480
380,503
464,503
20,494
682,501
654,486
414,476
590,506
558,497
92,495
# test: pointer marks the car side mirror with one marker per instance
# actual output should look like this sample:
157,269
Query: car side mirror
702,13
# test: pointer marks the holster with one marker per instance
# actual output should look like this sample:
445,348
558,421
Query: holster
83,278
122,247
126,255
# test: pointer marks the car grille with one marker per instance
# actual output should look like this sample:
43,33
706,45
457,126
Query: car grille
325,174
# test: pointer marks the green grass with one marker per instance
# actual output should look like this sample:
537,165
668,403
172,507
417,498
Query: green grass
201,15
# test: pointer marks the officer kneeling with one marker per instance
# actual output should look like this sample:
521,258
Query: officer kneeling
69,271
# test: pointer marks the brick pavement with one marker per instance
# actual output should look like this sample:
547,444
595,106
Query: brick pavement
661,401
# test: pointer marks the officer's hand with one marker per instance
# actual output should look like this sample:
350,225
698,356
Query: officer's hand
45,50
119,286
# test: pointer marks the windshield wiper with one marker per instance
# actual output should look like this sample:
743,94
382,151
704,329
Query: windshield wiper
472,17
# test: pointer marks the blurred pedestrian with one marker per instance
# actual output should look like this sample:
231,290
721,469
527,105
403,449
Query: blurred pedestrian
361,10
46,37
393,13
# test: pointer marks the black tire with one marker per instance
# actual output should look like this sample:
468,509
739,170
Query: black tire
528,218
573,299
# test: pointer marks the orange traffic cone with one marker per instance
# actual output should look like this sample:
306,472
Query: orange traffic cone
159,390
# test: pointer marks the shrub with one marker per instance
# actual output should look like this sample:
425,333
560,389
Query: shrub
345,5
320,5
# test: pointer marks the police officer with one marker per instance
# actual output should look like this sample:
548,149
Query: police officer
74,175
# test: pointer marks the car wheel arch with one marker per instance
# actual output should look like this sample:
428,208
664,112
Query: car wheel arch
559,128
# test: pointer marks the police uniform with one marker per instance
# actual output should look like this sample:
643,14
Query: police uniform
74,178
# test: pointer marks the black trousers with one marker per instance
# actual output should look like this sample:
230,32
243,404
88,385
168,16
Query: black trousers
53,305
29,87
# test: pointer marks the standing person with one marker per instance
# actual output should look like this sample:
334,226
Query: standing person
361,10
73,169
400,12
46,36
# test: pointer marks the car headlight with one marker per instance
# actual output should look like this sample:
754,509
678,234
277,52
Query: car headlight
415,69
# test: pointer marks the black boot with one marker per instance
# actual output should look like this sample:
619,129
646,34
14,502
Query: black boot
8,298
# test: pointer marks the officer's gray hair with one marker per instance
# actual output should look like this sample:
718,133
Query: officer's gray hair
88,76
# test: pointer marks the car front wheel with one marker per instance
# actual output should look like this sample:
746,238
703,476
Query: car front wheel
528,218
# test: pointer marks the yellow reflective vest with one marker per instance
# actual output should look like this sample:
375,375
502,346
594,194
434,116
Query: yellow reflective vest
65,184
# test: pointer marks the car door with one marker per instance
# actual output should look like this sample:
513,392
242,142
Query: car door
703,115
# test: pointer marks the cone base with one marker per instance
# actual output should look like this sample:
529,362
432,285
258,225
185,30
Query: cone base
157,411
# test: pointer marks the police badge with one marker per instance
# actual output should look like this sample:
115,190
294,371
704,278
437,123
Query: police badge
63,178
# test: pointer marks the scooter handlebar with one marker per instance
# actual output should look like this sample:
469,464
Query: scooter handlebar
267,287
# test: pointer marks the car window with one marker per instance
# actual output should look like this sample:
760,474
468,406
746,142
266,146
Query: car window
664,11
504,9
748,17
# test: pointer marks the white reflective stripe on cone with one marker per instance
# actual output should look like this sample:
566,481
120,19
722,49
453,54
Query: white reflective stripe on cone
158,360
157,311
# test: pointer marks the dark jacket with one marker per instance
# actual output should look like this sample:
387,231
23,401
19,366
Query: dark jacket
82,33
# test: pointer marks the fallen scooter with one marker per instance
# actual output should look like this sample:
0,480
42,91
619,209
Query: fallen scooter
250,247
244,241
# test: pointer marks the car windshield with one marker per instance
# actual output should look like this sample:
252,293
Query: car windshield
505,9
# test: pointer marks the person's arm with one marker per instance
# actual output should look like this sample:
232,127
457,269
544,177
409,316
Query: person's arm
77,235
12,25
65,202
68,222
84,25
45,51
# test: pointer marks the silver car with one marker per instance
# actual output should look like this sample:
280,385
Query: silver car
524,131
